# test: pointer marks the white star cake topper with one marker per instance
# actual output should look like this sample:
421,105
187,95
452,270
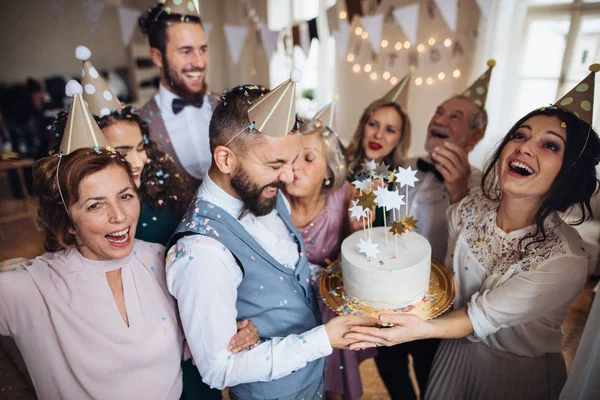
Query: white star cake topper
368,248
357,211
363,186
406,176
390,200
382,171
369,167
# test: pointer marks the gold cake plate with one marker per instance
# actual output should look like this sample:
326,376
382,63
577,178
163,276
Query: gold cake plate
439,297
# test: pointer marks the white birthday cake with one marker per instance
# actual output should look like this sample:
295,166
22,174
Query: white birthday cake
398,276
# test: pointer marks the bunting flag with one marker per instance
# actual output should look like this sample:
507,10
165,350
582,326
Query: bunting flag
207,29
312,29
342,38
58,8
373,24
333,19
92,9
408,18
128,18
353,7
236,37
484,6
301,37
269,41
449,11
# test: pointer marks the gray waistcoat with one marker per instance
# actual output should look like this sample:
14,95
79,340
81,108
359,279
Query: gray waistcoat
278,300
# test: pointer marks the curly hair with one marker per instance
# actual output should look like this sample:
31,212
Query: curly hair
162,185
575,183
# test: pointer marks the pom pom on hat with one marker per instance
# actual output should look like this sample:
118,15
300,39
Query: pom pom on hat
336,97
73,87
82,53
491,63
411,69
595,67
296,75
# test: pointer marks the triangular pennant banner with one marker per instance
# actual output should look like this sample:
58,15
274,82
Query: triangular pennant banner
373,24
333,19
207,29
408,19
236,37
449,11
342,38
128,18
92,10
269,40
58,8
484,6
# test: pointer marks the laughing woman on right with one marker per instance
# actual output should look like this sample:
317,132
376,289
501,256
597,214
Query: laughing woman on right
517,263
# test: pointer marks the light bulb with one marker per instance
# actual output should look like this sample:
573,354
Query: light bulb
406,44
394,80
441,76
418,81
356,68
373,76
447,42
398,46
350,57
421,48
364,35
384,43
367,67
358,31
386,75
431,41
429,80
456,73
343,15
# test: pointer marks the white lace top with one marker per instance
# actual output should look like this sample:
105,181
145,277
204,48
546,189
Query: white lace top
517,299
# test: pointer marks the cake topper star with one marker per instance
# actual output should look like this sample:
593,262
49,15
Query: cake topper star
398,228
406,176
357,211
382,170
380,192
367,200
368,248
391,177
409,223
369,167
392,200
362,185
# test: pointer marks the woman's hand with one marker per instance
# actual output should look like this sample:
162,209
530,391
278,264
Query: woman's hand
407,327
338,327
247,336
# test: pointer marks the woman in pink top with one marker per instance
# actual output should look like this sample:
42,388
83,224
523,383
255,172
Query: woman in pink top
319,197
93,318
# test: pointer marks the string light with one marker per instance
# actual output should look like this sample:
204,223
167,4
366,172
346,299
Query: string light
386,75
447,42
429,80
406,44
398,46
373,76
431,41
356,68
441,76
350,57
384,43
421,48
364,35
394,80
456,73
358,31
367,68
343,15
418,81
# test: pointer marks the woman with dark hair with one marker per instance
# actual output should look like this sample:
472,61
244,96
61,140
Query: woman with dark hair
517,263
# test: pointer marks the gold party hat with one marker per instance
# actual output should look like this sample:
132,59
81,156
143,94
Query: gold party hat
328,116
399,93
97,94
478,91
580,99
181,7
81,129
274,114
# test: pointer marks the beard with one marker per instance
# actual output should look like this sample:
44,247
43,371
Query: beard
251,193
175,81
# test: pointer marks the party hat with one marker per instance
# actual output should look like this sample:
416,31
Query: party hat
274,114
96,93
327,115
181,7
478,91
81,129
580,99
399,93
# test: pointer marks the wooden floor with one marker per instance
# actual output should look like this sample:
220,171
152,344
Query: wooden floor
21,239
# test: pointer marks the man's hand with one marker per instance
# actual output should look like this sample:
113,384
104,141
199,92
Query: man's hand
453,164
247,336
338,327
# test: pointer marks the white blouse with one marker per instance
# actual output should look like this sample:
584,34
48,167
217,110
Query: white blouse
517,301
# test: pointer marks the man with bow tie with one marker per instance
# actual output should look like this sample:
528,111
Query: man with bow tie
179,114
445,178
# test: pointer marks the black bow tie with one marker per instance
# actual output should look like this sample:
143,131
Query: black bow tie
180,104
425,166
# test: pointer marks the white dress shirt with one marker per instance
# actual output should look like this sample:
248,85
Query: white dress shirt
203,276
188,132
